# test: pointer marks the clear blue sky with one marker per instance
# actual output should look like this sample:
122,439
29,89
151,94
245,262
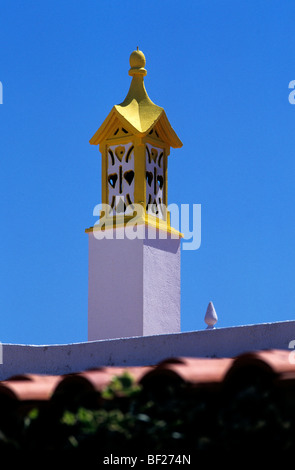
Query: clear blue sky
221,70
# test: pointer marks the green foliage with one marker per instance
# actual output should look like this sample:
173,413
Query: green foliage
161,417
121,385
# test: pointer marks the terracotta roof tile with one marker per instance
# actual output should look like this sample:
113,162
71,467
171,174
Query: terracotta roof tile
194,371
197,372
274,364
30,387
98,379
274,361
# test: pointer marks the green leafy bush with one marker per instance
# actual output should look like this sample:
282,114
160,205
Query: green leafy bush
164,416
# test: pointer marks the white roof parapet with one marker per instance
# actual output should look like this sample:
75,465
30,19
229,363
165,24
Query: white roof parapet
145,350
211,316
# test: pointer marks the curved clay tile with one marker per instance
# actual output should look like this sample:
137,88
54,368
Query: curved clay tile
273,360
97,379
137,372
30,388
20,377
193,371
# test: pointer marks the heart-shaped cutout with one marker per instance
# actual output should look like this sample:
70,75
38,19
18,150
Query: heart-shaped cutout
129,176
149,177
119,151
112,179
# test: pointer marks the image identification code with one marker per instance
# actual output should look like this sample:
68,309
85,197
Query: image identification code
149,459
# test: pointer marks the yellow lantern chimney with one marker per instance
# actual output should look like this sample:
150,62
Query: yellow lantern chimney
134,141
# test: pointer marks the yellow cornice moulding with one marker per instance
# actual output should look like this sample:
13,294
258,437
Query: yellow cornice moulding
147,220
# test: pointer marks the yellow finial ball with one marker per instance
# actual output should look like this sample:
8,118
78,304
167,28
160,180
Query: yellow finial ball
137,59
137,63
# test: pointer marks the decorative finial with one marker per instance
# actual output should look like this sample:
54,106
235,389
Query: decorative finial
137,63
211,316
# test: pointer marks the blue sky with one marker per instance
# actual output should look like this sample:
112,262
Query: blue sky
221,70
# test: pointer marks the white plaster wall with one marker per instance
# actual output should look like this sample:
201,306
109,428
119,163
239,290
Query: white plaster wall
146,350
161,279
115,284
133,287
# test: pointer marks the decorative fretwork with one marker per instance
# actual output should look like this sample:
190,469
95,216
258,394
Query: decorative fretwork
120,132
119,151
120,177
154,180
154,133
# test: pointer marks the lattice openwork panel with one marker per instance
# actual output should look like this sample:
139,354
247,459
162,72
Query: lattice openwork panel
120,177
155,180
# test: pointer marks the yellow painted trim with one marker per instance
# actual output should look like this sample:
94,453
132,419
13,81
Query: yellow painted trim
114,140
158,143
165,173
104,163
164,128
140,172
104,130
148,139
148,221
